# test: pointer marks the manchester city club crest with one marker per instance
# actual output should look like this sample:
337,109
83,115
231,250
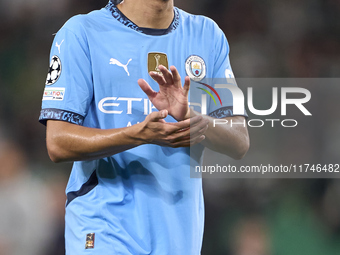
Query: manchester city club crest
195,68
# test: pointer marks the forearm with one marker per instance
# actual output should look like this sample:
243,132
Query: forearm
226,139
68,142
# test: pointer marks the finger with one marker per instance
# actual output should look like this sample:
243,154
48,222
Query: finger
199,122
162,121
186,86
192,133
175,127
187,135
158,116
166,74
199,129
158,78
175,76
146,88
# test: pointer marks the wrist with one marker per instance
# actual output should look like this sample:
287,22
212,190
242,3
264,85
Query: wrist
189,114
135,134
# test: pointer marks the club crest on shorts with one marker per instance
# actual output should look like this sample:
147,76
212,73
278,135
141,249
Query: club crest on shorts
195,68
54,70
89,241
155,59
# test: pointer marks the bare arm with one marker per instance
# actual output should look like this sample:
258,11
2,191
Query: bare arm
226,139
69,142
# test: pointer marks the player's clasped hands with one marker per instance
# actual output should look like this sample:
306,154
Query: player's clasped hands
171,99
154,130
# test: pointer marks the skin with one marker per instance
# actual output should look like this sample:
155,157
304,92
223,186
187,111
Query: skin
232,141
69,142
149,13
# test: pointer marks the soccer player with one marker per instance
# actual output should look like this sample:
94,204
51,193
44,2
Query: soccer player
130,190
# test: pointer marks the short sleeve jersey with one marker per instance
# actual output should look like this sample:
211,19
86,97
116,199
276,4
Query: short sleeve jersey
140,201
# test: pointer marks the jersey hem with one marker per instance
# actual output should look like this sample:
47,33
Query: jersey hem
91,183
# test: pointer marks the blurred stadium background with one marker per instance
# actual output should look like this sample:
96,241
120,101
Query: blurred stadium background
269,38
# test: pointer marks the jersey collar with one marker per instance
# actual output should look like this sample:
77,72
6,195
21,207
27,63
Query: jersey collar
119,16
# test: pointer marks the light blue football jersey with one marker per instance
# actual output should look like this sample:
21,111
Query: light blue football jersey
141,201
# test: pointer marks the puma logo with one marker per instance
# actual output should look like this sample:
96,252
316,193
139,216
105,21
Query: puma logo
58,45
116,62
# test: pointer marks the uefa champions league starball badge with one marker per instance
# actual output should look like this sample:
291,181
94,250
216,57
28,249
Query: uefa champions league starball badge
54,70
195,68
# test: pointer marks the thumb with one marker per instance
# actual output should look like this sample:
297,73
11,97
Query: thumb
156,116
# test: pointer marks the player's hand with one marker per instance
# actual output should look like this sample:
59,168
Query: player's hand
154,130
171,95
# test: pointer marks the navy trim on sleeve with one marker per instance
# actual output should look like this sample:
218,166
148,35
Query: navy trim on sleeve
85,188
57,114
224,112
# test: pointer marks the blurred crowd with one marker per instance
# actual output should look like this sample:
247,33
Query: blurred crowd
270,38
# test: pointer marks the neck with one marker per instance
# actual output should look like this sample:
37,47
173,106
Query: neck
156,14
